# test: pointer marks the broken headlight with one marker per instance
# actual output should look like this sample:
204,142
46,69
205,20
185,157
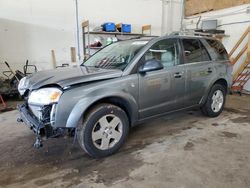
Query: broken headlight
45,96
22,86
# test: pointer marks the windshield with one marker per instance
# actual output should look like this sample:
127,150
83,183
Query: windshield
115,56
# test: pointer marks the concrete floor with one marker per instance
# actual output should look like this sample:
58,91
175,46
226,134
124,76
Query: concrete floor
182,150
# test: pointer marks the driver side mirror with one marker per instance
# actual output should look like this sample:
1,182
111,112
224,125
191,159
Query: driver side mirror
150,65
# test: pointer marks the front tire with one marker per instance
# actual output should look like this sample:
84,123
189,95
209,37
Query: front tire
103,131
215,101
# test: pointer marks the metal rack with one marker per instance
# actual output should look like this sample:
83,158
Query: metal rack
196,33
86,36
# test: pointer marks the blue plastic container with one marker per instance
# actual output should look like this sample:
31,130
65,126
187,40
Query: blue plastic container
109,27
126,28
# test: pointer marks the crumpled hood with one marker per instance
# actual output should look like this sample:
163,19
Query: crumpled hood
69,76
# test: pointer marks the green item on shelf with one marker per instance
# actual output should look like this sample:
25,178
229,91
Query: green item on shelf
109,41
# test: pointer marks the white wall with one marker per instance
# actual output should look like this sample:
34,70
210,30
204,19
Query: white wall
171,17
29,29
21,41
226,16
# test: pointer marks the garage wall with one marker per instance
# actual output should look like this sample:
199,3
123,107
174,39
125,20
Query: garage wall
195,6
233,20
21,41
29,29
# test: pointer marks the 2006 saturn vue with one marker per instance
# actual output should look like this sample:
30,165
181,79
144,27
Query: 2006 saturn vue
124,84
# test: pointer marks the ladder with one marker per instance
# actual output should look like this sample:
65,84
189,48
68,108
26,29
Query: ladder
242,74
241,80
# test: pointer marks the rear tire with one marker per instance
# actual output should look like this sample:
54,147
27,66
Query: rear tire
103,131
215,102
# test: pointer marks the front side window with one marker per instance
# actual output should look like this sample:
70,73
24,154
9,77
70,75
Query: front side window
116,56
166,51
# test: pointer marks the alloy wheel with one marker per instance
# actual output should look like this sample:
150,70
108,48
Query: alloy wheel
217,101
107,132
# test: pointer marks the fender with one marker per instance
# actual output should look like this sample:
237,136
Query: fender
83,105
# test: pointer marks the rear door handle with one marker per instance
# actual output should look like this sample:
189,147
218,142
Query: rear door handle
209,70
178,75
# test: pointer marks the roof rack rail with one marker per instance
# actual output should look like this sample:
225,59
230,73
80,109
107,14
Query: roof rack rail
191,33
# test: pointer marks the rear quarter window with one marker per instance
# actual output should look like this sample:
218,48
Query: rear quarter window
217,50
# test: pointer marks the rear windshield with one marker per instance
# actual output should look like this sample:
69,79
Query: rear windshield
217,50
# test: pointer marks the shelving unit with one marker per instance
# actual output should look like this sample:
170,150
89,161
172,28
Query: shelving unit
86,36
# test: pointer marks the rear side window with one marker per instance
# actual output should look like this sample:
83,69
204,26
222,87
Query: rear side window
194,51
217,50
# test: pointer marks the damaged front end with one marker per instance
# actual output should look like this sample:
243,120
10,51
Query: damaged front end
38,112
40,120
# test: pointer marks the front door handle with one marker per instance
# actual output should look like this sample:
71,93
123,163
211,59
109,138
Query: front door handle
177,75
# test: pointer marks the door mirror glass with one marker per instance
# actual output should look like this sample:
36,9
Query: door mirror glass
151,65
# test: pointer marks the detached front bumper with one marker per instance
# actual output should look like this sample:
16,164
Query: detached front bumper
30,120
42,128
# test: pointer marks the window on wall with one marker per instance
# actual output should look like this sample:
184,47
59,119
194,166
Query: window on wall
166,51
217,49
192,50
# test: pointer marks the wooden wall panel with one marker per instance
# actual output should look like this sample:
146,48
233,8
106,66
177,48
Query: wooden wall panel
193,7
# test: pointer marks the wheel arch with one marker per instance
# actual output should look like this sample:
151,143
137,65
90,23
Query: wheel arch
81,109
221,81
117,101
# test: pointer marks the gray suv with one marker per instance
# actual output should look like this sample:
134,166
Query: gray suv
122,85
